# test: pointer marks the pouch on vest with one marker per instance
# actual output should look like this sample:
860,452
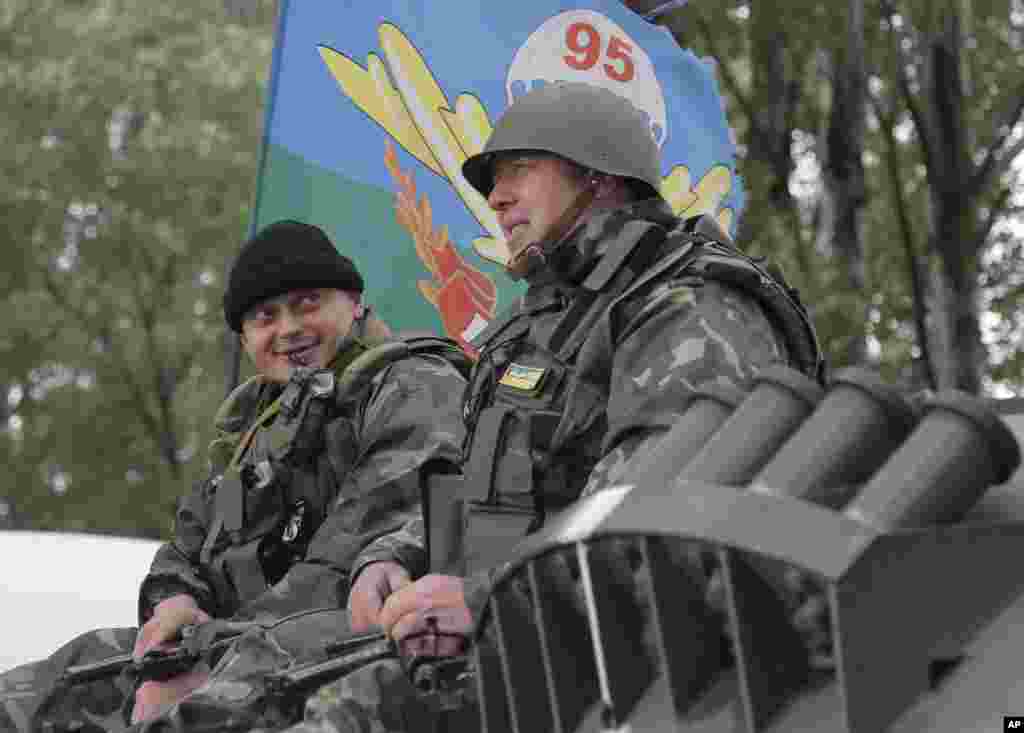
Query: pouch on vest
474,521
250,495
465,534
488,514
252,507
286,543
491,530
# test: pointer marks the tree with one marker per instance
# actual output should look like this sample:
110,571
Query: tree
966,119
878,158
889,192
844,191
129,160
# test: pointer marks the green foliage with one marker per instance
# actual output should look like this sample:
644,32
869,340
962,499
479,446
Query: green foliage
765,50
129,150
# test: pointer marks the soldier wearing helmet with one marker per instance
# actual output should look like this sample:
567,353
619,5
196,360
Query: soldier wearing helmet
621,322
589,149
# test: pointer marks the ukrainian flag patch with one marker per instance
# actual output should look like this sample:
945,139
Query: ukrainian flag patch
526,378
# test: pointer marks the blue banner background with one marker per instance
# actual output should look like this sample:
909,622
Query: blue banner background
324,156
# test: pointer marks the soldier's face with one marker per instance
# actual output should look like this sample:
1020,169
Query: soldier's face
530,193
299,328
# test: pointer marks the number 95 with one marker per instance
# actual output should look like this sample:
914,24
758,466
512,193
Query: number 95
584,43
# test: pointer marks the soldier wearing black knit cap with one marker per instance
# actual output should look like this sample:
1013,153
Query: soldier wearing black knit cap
319,484
295,300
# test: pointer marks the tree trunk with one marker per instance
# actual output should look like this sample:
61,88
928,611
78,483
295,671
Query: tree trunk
845,193
955,214
775,95
959,360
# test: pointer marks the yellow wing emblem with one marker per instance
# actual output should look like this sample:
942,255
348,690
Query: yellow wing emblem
401,94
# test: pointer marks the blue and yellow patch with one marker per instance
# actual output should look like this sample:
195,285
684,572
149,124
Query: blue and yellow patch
521,377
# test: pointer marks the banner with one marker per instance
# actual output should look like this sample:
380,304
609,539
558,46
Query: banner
373,107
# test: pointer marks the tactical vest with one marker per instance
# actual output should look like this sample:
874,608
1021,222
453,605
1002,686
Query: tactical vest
277,465
535,424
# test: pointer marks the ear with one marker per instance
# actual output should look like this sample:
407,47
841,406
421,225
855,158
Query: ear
243,341
245,345
357,302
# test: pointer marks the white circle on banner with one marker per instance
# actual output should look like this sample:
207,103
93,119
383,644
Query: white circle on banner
585,46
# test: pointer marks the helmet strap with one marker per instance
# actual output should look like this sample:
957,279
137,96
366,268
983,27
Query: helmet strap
531,257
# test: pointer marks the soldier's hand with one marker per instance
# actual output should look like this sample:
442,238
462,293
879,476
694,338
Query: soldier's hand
154,696
168,617
429,616
374,584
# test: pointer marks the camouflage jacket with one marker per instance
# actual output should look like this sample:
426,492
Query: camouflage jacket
614,385
362,482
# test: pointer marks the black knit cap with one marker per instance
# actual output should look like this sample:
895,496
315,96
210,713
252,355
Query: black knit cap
287,255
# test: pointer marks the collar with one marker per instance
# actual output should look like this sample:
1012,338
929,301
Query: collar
588,243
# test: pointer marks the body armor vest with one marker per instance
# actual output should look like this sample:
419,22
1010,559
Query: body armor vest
535,424
277,465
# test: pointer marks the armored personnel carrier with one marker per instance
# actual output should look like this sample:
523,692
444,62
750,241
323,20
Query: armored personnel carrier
862,554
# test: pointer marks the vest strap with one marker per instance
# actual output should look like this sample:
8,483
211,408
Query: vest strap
636,236
487,439
605,284
230,502
243,568
498,323
211,537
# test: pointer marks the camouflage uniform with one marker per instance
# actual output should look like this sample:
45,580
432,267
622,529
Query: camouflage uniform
617,394
362,484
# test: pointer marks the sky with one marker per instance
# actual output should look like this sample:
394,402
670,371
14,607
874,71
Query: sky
56,586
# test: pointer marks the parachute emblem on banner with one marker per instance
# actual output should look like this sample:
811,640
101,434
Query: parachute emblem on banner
585,46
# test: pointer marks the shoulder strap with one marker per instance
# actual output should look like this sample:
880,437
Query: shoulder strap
613,276
446,348
229,501
716,258
498,324
697,247
358,372
636,244
515,319
239,406
781,302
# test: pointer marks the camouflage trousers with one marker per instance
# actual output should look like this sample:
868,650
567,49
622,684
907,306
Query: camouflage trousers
32,698
235,698
380,698
377,698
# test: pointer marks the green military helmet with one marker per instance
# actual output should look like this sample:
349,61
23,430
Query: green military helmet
586,124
